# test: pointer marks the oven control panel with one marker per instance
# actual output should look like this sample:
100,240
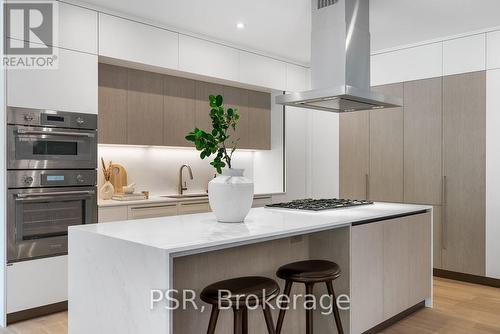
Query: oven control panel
51,178
51,118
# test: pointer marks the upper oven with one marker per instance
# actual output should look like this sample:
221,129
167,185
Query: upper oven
46,139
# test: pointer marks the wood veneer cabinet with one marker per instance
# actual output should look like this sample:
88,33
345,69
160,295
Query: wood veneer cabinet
464,169
396,255
354,154
386,149
179,113
112,105
422,141
144,108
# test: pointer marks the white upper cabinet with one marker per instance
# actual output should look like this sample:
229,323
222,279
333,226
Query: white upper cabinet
207,58
493,56
296,78
136,42
70,87
77,29
407,64
262,71
462,55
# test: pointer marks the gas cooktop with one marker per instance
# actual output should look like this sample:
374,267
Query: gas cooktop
319,204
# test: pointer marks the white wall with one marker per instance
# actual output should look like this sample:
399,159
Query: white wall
3,185
492,174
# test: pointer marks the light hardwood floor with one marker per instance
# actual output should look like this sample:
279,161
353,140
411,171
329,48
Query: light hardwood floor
459,308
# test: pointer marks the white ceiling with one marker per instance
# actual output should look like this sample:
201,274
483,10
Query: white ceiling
282,27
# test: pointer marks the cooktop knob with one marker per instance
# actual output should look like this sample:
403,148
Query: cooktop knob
28,180
79,121
28,117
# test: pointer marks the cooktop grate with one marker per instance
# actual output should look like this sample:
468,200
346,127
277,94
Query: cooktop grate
319,204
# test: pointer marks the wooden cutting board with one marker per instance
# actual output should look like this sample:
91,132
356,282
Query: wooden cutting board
118,178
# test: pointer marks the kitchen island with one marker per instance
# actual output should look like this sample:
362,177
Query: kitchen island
117,269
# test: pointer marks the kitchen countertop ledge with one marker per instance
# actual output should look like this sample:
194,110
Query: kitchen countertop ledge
191,234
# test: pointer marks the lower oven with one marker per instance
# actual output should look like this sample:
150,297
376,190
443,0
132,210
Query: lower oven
39,215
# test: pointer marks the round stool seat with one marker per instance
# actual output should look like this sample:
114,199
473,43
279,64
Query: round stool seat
239,288
309,271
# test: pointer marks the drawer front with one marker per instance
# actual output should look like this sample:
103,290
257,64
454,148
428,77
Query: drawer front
112,214
153,211
198,207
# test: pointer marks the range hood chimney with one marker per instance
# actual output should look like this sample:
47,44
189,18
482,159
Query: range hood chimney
340,60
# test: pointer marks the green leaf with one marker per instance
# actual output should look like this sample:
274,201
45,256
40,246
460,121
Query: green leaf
219,100
213,101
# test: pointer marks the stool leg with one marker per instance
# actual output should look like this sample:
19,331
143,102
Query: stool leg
309,313
213,320
336,312
269,320
245,321
238,320
281,316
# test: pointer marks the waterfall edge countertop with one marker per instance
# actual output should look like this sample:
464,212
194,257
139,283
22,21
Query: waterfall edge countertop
189,234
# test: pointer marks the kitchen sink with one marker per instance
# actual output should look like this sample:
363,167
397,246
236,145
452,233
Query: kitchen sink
186,196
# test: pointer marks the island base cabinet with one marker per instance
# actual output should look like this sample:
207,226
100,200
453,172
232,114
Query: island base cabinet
391,268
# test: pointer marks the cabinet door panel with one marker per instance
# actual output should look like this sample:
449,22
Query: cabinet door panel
419,261
202,104
238,98
354,154
145,108
367,273
112,104
178,110
423,141
396,266
464,126
437,237
386,150
259,120
70,87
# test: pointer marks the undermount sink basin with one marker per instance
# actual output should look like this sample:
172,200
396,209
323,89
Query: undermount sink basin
185,196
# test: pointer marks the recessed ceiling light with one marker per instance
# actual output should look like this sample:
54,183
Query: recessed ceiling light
240,25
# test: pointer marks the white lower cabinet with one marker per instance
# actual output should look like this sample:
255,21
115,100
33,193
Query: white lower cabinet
37,283
72,86
152,211
112,214
391,269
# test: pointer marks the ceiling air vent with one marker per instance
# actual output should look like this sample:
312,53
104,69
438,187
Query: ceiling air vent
326,3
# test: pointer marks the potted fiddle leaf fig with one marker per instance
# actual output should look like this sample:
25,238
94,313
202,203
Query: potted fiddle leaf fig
230,194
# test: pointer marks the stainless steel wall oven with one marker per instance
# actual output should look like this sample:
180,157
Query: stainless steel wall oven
51,179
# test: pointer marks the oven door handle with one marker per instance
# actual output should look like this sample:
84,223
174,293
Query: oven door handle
54,133
58,193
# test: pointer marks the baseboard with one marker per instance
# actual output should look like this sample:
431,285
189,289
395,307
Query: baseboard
488,281
397,318
36,312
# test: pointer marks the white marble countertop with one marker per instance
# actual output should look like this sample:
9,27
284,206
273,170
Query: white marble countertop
160,199
189,234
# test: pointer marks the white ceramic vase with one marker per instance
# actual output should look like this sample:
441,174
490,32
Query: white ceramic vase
107,190
230,195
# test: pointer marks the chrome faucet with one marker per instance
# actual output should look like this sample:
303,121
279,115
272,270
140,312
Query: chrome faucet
183,185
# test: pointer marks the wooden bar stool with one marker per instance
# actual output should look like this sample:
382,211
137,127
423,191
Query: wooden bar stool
260,288
310,272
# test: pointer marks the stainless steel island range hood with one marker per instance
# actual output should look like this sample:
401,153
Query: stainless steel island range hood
340,60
